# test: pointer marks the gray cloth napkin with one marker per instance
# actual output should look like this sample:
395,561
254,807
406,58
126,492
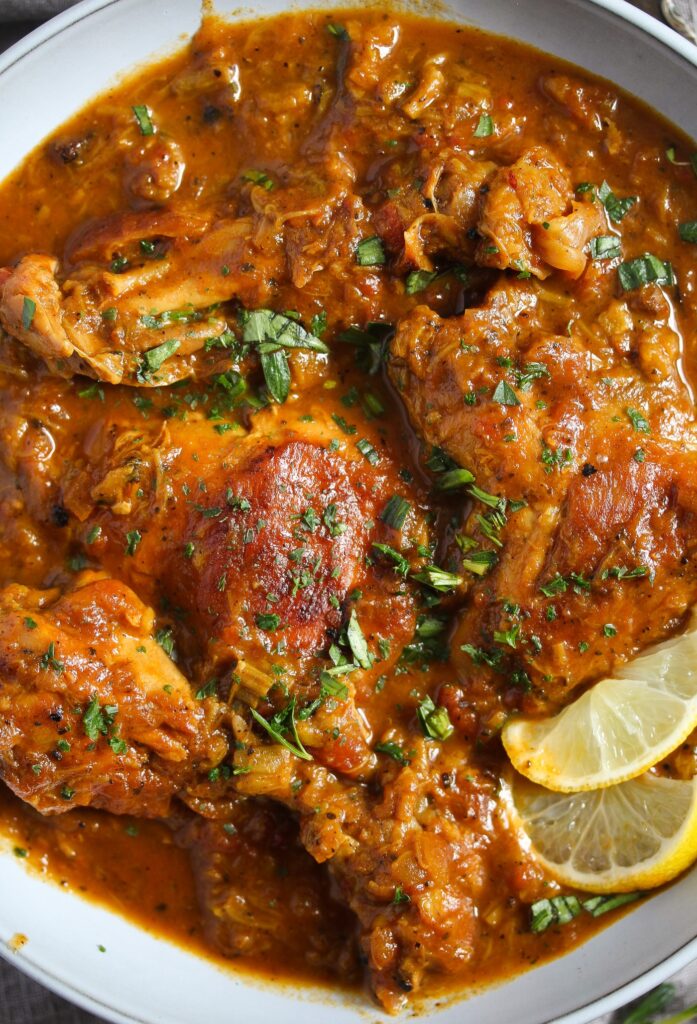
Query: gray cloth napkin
22,1001
32,10
682,15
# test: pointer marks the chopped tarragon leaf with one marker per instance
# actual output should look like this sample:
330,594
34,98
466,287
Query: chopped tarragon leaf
687,231
401,565
557,585
454,478
554,911
283,722
485,127
144,119
269,622
598,905
332,687
616,208
276,372
418,280
479,562
93,391
165,638
605,247
621,572
271,333
504,394
638,421
28,311
370,343
437,579
370,252
434,721
367,451
395,512
209,689
258,178
48,660
394,751
487,499
357,642
153,359
530,372
133,539
646,269
343,424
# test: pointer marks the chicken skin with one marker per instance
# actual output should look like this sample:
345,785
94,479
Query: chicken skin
92,711
590,504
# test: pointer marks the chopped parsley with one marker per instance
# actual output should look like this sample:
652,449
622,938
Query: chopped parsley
259,178
638,421
269,622
48,660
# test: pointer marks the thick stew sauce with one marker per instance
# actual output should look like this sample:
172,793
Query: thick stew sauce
346,412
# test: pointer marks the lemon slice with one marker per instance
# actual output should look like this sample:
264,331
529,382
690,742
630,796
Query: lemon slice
616,730
637,835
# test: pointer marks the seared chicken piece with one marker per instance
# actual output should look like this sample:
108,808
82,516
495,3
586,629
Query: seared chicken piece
138,296
92,711
528,222
246,861
255,547
591,452
108,323
411,855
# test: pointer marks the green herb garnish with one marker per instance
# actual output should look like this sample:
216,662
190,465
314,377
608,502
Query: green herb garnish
435,721
281,723
485,127
144,120
646,269
370,252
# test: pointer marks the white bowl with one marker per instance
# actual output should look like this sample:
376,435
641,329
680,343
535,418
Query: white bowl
45,78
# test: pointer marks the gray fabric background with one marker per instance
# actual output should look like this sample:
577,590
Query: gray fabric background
22,1001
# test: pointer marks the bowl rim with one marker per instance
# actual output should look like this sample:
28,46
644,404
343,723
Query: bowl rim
585,1013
